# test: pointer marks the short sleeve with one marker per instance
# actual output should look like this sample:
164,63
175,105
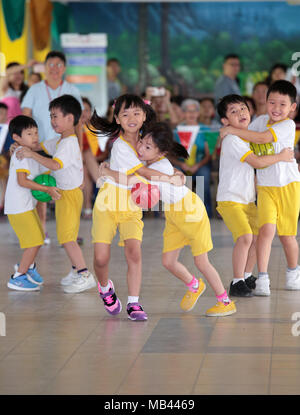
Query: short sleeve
127,158
49,146
236,148
28,100
22,166
64,153
283,130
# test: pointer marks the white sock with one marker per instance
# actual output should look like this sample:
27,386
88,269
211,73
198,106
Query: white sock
235,280
132,299
247,275
105,289
17,274
263,275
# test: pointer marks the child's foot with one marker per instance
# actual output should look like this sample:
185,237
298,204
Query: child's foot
32,275
250,282
47,240
111,302
221,309
262,287
85,281
293,279
190,298
135,312
70,278
240,289
22,283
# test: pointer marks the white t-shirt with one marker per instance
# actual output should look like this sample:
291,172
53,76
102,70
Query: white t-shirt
67,153
236,177
168,192
282,173
124,159
38,100
19,199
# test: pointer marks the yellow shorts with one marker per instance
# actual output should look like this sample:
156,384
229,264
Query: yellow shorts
67,213
113,209
240,219
187,223
279,206
28,228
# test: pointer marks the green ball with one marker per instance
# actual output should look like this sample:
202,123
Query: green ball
45,180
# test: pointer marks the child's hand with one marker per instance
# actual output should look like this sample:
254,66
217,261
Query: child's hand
287,154
225,131
53,192
178,179
13,148
24,152
104,169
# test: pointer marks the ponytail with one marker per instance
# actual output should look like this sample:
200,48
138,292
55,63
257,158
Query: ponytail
178,151
101,125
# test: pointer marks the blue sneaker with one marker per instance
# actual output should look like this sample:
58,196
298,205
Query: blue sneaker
22,283
32,275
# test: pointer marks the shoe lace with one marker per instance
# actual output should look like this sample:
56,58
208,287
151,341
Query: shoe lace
109,300
136,308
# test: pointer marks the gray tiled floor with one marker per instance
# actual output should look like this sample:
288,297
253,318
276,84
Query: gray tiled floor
66,344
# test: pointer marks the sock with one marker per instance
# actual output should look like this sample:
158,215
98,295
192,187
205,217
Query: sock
105,289
223,298
235,280
292,269
263,275
32,265
73,268
247,275
132,299
83,272
193,285
17,274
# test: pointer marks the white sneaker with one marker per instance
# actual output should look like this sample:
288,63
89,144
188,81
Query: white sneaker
262,287
47,240
82,283
68,279
293,279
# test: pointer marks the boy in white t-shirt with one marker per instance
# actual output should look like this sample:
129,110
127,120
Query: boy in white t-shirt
278,200
236,190
20,205
67,167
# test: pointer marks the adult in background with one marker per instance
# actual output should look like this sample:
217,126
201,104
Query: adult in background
36,102
259,95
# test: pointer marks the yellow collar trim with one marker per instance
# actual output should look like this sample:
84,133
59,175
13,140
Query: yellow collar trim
277,122
122,138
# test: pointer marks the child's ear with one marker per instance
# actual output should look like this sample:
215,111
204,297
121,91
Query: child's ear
117,119
225,121
293,107
16,138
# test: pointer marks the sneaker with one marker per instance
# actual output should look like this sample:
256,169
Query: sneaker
135,312
32,275
82,283
69,279
47,240
22,283
190,298
239,289
221,309
250,282
262,287
111,302
293,279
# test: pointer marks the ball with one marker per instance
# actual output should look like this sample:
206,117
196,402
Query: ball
45,180
145,195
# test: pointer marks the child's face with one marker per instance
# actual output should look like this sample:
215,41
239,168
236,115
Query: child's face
279,106
29,138
131,119
60,122
147,150
86,113
207,108
237,115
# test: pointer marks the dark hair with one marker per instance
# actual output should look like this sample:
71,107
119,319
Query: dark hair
227,100
162,137
56,54
115,60
231,56
3,105
250,99
258,84
87,101
112,129
20,123
67,104
282,66
23,86
284,88
36,74
207,99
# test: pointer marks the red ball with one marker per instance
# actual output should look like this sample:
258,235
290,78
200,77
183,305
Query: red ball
145,195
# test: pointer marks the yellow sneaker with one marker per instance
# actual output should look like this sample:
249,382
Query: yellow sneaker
189,300
220,309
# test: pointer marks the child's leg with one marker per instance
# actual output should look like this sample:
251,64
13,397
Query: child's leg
133,256
263,246
251,261
210,273
240,255
171,263
101,262
41,208
75,255
291,250
28,258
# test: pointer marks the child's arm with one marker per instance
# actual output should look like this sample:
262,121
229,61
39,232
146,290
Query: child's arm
252,136
25,152
30,184
259,162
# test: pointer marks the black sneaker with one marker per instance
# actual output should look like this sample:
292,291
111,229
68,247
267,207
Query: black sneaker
250,282
240,289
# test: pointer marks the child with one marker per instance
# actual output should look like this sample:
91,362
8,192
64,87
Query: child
236,193
278,185
66,164
187,222
113,207
20,205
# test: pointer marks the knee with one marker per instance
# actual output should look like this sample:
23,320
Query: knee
245,240
101,260
167,262
201,262
133,255
267,231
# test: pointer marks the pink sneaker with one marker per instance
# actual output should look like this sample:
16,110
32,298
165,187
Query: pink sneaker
135,312
111,302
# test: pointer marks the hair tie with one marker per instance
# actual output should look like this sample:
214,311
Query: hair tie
147,102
